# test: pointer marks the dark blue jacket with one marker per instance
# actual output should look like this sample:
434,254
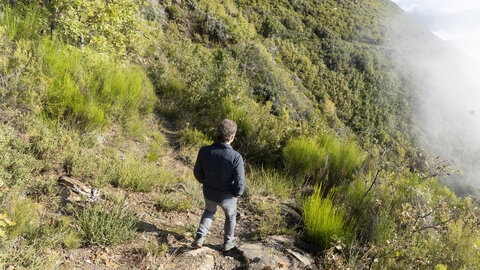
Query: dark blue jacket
220,169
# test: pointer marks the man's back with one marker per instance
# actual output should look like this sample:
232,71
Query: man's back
220,169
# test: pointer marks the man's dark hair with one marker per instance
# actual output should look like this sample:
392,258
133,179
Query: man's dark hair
226,128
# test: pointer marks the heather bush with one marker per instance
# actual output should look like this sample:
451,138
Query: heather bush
173,202
324,158
89,92
268,182
325,222
106,224
137,175
194,137
24,21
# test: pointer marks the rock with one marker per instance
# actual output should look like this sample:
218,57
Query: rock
201,259
305,259
285,240
278,252
292,216
207,263
263,257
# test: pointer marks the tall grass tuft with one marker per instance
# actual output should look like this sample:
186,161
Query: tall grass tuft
138,175
305,156
324,158
106,224
90,91
345,158
324,221
25,213
20,253
25,21
193,137
266,182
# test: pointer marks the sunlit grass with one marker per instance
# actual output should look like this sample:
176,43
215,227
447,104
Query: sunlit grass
88,90
106,224
325,222
138,175
324,158
266,182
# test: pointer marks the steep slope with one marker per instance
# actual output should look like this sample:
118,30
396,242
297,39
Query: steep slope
119,95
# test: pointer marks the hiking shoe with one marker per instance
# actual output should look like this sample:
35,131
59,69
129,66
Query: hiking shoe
198,242
229,246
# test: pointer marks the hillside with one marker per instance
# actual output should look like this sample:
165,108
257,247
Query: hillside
106,103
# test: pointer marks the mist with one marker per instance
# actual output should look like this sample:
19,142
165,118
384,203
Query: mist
446,105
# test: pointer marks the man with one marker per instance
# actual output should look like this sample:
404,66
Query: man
220,169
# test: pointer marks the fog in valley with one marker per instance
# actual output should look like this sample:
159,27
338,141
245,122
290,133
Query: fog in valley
444,63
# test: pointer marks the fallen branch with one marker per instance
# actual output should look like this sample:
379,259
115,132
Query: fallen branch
435,226
375,178
137,30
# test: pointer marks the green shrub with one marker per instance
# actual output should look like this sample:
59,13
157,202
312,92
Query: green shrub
72,239
88,91
19,254
24,21
108,26
173,88
324,156
17,165
25,213
362,205
304,155
173,202
345,158
137,175
105,224
215,28
325,222
265,182
193,137
175,12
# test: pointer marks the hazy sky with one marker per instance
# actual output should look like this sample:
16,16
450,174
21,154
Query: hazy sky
457,21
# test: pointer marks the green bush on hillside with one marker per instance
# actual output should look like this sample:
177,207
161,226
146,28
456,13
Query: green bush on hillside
193,137
324,221
175,12
17,163
345,158
139,175
268,182
88,91
24,21
25,213
324,158
103,224
108,26
305,156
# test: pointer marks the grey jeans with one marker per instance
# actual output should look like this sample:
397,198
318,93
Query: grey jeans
229,206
